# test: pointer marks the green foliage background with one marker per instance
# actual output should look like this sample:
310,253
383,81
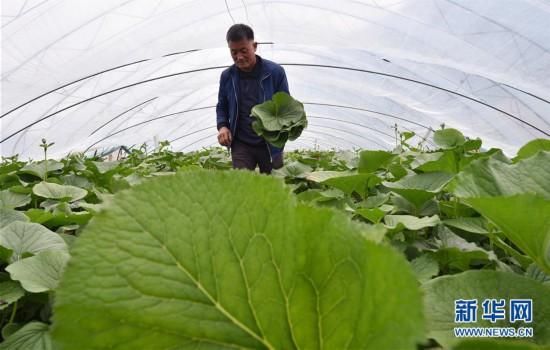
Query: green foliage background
452,222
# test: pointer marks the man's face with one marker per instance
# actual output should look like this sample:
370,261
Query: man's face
243,53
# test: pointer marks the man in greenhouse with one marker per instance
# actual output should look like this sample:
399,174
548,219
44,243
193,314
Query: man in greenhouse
249,81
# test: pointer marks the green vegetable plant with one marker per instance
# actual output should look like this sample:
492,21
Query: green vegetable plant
333,238
280,119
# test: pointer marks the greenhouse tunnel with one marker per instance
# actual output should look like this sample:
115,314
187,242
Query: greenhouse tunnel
92,75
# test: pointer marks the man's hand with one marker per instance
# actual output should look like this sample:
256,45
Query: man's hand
224,136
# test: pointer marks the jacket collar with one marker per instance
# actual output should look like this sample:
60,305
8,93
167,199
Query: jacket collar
264,73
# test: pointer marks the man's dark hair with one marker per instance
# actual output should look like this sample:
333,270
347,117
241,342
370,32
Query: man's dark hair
238,32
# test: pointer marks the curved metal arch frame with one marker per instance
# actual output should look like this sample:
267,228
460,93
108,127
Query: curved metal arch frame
283,64
213,106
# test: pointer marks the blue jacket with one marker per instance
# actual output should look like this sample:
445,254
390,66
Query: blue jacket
272,80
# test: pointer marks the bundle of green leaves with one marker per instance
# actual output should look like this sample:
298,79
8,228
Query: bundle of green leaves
280,119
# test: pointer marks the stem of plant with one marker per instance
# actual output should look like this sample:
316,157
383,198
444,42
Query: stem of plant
456,207
44,145
396,142
491,237
13,311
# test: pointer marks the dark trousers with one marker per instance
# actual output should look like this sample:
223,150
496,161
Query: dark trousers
244,156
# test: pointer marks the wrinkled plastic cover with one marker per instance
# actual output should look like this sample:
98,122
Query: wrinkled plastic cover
92,75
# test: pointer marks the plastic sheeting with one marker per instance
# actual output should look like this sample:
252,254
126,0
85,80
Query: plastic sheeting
90,75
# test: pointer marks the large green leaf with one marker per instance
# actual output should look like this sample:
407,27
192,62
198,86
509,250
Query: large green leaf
425,267
425,158
331,198
276,138
455,209
40,169
348,158
399,222
521,258
33,336
8,181
490,177
194,261
457,254
9,199
294,170
10,291
429,182
441,293
61,192
532,147
6,168
439,161
472,144
7,216
516,197
375,200
322,176
375,232
403,206
280,119
448,138
312,196
5,254
10,328
25,237
41,272
524,219
373,214
370,161
58,217
77,181
39,216
21,189
345,181
280,112
398,170
419,188
469,224
105,167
